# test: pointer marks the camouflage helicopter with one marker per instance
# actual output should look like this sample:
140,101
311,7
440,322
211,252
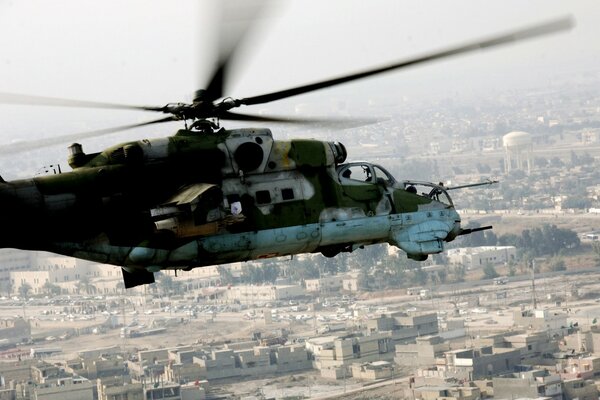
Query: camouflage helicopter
208,195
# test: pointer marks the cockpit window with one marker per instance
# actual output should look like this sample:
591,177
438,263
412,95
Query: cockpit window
427,189
383,176
357,172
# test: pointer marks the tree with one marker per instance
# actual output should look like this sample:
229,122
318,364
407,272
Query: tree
557,264
24,290
165,282
489,271
271,272
545,241
6,287
327,265
85,286
51,289
268,272
508,239
512,268
540,162
442,276
369,256
459,272
303,268
596,249
556,162
397,273
419,277
120,286
577,201
490,238
225,275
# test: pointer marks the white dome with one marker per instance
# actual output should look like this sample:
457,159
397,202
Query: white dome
516,139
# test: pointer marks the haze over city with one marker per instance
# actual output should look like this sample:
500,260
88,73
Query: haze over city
153,53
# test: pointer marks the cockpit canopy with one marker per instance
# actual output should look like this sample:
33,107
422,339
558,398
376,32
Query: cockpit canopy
361,172
434,191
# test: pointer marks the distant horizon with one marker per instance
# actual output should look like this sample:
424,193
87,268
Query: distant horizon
150,53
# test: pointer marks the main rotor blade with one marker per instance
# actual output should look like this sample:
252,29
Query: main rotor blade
238,19
19,147
259,118
24,99
514,36
329,121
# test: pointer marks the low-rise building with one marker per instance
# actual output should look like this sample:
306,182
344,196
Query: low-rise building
351,284
242,361
483,362
549,321
252,294
119,388
528,384
334,352
372,371
184,373
255,361
45,372
17,372
424,352
478,257
403,327
585,340
447,392
581,367
579,389
218,364
102,367
291,358
436,376
163,391
325,284
65,389
347,282
533,345
193,391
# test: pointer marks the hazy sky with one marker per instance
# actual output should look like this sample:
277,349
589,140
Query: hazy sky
149,52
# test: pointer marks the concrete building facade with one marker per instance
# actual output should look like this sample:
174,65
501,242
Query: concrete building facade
529,384
478,257
403,327
483,362
334,352
549,321
424,352
252,294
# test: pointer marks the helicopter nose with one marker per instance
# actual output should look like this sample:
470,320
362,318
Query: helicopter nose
454,232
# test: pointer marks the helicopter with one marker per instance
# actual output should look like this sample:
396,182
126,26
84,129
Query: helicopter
209,195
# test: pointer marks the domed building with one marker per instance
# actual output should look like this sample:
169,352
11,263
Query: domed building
518,147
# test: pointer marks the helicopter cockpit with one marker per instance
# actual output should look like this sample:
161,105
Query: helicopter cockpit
437,192
363,172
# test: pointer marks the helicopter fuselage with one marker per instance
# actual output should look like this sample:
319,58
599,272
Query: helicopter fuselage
198,199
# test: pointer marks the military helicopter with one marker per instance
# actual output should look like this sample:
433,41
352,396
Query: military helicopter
208,195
